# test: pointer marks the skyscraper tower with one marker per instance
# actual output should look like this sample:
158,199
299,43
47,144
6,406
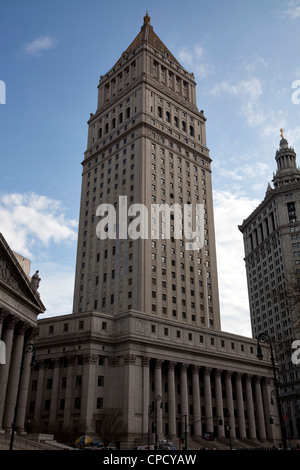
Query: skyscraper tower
272,256
147,144
144,338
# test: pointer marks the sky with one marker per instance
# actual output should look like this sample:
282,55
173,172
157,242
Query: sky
245,56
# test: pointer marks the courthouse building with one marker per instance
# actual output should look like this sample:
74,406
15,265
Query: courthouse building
20,306
145,333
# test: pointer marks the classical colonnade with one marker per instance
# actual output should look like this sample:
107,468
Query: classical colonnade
15,334
209,399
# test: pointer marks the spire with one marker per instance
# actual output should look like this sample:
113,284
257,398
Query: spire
287,171
147,19
147,35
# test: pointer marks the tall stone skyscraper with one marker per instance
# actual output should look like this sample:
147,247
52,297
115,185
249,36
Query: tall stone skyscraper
147,143
145,337
272,256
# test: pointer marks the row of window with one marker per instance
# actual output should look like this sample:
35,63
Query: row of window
76,404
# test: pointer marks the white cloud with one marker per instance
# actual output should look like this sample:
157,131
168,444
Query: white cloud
293,10
56,288
249,93
40,44
230,210
27,219
254,62
194,59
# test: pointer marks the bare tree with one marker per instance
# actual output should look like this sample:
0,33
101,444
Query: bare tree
110,426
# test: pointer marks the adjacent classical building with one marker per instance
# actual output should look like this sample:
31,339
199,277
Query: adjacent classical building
20,306
145,333
272,256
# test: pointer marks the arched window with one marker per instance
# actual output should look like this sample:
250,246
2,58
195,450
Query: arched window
128,113
120,118
106,128
168,116
192,133
114,123
184,126
176,121
159,110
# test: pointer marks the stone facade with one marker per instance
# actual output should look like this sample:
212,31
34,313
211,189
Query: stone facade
90,361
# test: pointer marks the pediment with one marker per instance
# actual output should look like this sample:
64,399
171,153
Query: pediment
14,279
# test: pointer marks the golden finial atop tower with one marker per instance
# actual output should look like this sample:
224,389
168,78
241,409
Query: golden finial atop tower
281,133
147,18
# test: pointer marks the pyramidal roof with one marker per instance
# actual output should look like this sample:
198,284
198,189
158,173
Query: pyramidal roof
148,35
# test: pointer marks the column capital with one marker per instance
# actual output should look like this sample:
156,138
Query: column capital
56,362
146,361
238,376
22,327
207,370
228,374
113,362
71,360
196,369
34,333
3,314
171,365
12,321
42,364
129,359
268,380
90,359
158,363
248,377
218,372
184,367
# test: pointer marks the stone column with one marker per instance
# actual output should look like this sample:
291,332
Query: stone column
250,407
4,370
14,375
129,391
184,397
146,396
240,405
269,413
230,421
158,393
39,396
219,402
197,402
208,400
171,399
54,396
259,410
88,404
3,314
24,386
69,395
